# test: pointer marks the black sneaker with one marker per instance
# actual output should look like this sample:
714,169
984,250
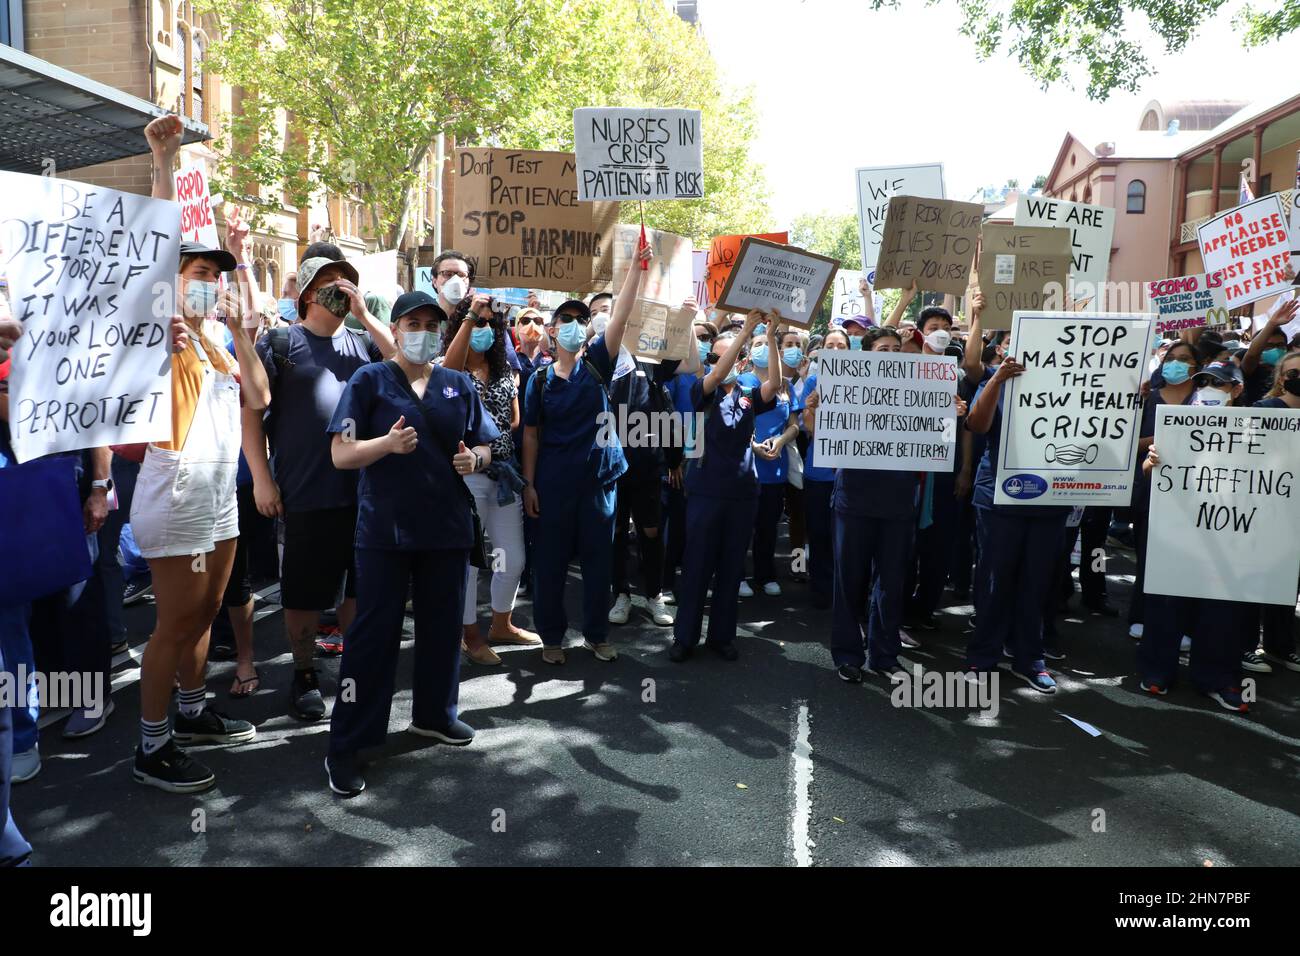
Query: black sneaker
343,771
888,672
305,700
172,769
678,653
727,651
211,727
849,673
136,591
459,734
924,621
119,646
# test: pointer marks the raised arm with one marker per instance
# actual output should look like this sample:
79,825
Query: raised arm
972,359
625,301
868,300
457,353
904,301
980,419
772,387
728,358
164,138
1282,314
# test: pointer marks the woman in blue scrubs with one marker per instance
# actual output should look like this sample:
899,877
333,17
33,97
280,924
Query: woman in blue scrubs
721,496
571,465
818,487
415,430
1278,620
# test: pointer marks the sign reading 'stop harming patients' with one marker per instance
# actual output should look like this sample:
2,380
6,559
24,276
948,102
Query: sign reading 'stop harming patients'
638,153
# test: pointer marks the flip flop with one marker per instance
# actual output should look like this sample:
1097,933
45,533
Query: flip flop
242,682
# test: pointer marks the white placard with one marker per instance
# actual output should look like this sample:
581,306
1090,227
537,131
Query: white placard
846,297
377,272
197,203
1092,229
1249,246
700,277
769,276
886,411
1225,505
876,186
92,275
671,276
631,153
1070,421
1188,302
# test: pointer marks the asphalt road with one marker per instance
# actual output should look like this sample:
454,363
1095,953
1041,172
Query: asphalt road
769,760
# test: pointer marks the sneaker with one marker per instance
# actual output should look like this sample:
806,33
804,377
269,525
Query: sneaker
1158,690
329,641
170,768
726,651
343,771
669,598
136,592
459,734
211,727
1229,698
678,653
25,766
1254,662
618,614
1290,661
1185,645
1040,681
849,673
1054,653
83,724
604,651
887,672
117,647
772,589
659,613
553,655
1135,631
907,640
745,589
305,700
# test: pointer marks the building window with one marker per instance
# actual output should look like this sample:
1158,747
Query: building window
1265,184
183,55
1137,197
197,77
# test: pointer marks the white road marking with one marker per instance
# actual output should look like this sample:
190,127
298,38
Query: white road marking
801,774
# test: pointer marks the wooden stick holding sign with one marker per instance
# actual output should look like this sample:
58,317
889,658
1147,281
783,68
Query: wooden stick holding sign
769,276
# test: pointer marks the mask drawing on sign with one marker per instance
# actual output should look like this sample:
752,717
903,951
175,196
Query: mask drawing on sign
1070,455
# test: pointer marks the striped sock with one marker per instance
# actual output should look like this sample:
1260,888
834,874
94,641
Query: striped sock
154,734
191,701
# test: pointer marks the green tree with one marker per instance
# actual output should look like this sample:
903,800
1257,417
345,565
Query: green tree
829,234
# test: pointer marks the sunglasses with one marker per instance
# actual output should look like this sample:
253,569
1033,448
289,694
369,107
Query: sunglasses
480,322
528,319
570,317
1291,375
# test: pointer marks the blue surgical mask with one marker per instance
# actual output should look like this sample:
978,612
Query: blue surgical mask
419,347
200,297
480,340
855,343
572,336
792,356
1272,356
1175,372
760,329
704,351
288,309
759,356
731,376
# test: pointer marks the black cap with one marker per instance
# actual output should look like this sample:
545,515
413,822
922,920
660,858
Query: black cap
577,304
1223,372
410,301
225,261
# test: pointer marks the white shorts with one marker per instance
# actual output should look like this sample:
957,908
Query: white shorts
183,508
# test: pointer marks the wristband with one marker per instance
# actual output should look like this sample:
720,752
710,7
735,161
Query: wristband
478,462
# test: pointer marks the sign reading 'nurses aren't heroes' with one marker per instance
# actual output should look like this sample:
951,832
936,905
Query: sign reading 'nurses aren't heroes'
92,275
1070,421
767,276
627,153
886,411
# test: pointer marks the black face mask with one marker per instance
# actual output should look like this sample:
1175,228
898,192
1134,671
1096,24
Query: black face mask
1292,386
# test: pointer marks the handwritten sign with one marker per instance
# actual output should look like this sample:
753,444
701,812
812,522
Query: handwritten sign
1092,229
1189,302
722,257
929,241
1070,422
1226,487
627,153
92,275
517,213
670,278
378,273
700,277
768,276
1022,269
886,411
879,184
1250,247
192,192
658,332
846,296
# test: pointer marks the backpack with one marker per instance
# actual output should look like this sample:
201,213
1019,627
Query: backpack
279,341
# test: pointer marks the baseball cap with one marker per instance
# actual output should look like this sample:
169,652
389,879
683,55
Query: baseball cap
576,305
859,320
410,301
225,261
1223,372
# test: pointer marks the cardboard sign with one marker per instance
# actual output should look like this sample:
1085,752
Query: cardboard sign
847,300
769,276
886,411
931,241
658,332
1225,489
723,251
1070,422
1092,228
378,273
670,278
700,277
1022,269
1250,247
628,153
517,214
192,192
1189,302
879,184
92,274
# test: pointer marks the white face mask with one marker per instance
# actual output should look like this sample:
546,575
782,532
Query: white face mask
1211,396
419,347
598,322
455,289
939,339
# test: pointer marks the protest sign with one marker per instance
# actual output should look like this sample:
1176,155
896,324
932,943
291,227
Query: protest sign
1189,302
1021,269
1250,247
769,276
516,213
92,275
424,280
670,278
192,192
632,153
886,411
846,297
658,332
1092,229
1070,422
879,184
378,273
723,251
929,241
1225,490
700,277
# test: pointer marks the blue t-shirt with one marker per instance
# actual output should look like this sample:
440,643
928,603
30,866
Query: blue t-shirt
571,422
986,477
811,471
860,493
770,424
303,399
1270,403
411,502
726,468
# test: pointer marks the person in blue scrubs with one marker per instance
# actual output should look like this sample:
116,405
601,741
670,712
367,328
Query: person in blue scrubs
571,464
873,517
818,488
679,393
1277,621
721,495
415,430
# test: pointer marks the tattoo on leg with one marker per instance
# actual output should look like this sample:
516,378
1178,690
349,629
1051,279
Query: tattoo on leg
303,644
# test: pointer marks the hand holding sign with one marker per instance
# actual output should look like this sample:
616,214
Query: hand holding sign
180,334
10,330
1009,368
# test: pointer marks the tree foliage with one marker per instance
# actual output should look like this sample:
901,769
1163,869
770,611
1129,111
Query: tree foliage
829,234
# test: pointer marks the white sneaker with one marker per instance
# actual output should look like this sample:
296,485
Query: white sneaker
772,589
1135,631
745,589
669,598
1184,645
661,615
621,609
25,766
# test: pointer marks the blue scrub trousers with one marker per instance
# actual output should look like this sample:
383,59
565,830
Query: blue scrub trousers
436,582
14,850
1016,573
674,533
1215,628
717,532
771,505
572,521
110,537
867,550
16,649
1278,624
821,552
935,544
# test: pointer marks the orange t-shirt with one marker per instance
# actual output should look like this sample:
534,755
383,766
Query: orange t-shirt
187,384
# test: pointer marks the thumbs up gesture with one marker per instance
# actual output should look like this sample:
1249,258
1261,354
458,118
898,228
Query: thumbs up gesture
401,439
464,461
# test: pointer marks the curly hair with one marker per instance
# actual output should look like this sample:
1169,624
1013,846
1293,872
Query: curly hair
498,365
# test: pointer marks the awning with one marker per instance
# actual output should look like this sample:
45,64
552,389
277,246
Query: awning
52,120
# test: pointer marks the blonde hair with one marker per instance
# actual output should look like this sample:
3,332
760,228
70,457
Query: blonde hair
1278,377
